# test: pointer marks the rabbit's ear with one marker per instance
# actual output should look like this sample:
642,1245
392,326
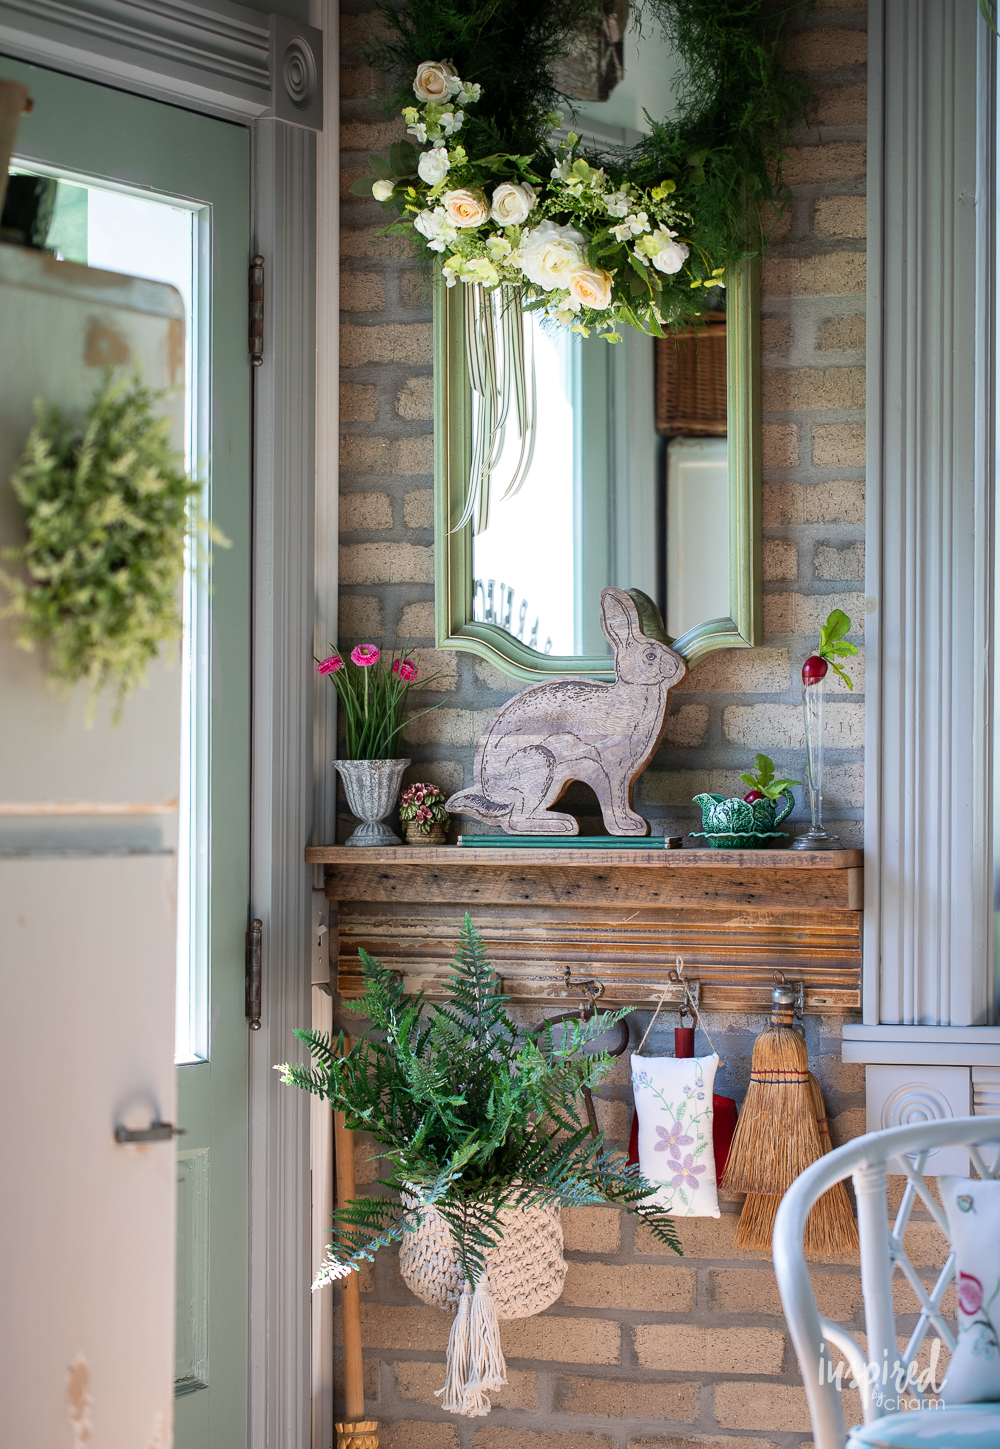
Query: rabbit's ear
619,617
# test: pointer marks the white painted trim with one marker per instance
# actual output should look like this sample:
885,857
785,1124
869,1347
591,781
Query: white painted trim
325,14
216,57
927,827
284,477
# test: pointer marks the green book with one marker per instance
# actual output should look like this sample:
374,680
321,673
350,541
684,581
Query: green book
567,842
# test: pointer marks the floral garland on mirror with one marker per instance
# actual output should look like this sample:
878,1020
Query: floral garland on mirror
592,240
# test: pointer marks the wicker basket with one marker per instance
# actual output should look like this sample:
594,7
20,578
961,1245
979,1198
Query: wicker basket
691,381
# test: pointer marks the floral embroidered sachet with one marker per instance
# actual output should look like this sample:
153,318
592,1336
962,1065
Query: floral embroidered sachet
673,1103
973,1209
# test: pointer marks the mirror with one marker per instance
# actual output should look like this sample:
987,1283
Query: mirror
645,472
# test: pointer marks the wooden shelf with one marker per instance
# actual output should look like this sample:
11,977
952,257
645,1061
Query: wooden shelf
618,916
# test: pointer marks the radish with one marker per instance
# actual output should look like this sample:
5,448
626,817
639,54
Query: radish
814,669
753,795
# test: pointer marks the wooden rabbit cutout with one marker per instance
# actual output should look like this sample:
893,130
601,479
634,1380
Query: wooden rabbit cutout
574,729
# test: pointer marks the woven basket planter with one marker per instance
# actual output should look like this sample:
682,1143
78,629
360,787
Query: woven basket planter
526,1269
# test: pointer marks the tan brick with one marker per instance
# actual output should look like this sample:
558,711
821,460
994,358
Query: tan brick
835,1075
839,446
847,1125
779,445
447,775
826,49
776,223
614,1118
415,288
710,1238
842,105
813,503
687,726
366,1278
741,1291
562,1340
841,334
416,621
371,135
679,787
781,560
347,177
592,1229
833,273
414,1434
383,1327
415,399
415,455
359,82
386,342
925,1243
740,671
386,563
362,291
418,1380
656,1290
520,1439
360,615
703,1441
439,665
790,390
358,403
755,1406
687,1349
362,29
840,216
844,787
775,333
839,563
366,1158
804,613
448,727
418,508
365,510
832,161
493,678
780,727
365,454
619,1398
367,242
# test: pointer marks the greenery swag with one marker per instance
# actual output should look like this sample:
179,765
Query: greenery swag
107,504
473,1115
593,238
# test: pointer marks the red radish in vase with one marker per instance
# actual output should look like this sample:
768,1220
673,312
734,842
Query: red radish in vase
832,646
814,669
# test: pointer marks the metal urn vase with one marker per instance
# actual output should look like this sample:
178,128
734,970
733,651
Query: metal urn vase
372,788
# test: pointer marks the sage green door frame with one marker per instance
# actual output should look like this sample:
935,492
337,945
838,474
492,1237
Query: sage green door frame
455,626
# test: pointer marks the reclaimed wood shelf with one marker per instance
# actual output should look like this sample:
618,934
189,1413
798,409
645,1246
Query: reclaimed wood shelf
621,917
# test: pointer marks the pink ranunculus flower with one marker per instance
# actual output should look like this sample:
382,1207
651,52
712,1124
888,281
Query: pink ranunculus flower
365,654
686,1173
970,1293
330,665
406,669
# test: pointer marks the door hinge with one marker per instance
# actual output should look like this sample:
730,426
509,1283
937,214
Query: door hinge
254,970
257,311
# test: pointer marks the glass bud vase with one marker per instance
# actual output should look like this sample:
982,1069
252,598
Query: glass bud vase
815,838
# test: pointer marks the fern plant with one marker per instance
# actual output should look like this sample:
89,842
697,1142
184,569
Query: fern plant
106,504
473,1114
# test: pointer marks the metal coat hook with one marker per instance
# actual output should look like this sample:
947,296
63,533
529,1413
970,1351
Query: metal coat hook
800,993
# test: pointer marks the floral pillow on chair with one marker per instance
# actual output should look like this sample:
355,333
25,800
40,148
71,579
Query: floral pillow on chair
673,1103
973,1209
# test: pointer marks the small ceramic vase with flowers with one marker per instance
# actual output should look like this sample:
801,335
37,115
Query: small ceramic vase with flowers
425,820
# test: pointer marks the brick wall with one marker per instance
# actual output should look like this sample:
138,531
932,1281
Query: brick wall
657,1352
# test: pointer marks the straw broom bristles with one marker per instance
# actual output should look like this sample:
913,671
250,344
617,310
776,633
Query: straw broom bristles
782,1130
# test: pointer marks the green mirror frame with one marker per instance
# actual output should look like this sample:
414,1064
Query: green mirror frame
453,563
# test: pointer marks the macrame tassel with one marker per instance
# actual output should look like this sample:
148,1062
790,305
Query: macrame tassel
476,1366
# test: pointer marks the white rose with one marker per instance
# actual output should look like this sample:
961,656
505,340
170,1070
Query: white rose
591,289
435,81
549,253
465,208
382,190
512,203
671,257
436,227
433,165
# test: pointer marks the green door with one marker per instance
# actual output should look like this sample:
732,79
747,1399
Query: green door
150,190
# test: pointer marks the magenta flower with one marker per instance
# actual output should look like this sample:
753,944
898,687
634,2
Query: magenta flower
970,1293
365,655
673,1140
331,665
406,669
686,1173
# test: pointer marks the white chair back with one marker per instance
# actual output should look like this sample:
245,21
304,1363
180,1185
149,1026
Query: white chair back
867,1160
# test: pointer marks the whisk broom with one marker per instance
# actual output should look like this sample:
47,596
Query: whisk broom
778,1136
